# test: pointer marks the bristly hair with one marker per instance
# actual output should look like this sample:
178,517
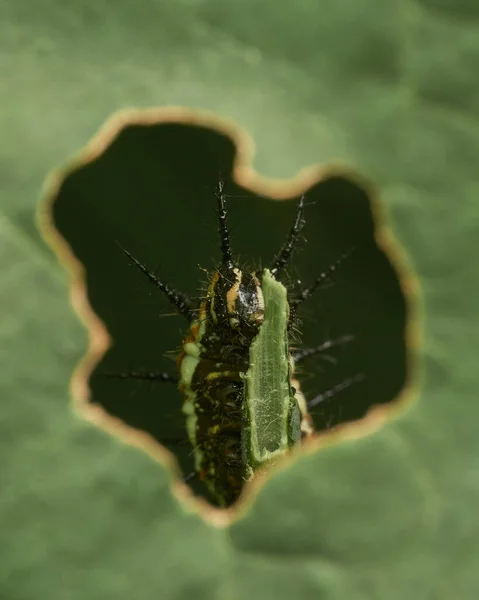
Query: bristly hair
291,242
181,301
322,277
227,259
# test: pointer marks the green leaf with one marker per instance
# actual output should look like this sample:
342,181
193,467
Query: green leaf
269,399
389,89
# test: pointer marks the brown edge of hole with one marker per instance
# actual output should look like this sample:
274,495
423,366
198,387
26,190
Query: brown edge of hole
99,340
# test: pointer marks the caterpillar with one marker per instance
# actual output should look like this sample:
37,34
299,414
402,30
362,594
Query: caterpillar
243,404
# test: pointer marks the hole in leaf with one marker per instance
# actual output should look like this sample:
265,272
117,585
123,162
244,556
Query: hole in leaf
152,191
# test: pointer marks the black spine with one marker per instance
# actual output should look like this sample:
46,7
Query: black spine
291,242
